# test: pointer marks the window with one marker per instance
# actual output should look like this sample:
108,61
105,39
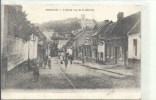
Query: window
135,46
90,53
85,52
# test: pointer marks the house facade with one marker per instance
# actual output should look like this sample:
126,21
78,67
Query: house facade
101,52
117,40
98,45
109,43
19,39
134,45
82,43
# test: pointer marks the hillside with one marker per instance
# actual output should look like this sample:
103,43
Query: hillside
62,26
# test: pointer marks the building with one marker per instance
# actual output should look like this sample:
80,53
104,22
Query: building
19,41
134,45
43,49
106,49
87,23
80,44
98,51
62,43
48,34
117,40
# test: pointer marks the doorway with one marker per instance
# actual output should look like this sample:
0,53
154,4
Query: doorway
116,48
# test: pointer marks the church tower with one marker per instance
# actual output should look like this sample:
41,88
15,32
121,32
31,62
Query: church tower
83,21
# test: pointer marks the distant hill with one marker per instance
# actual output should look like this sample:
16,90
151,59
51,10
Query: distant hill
62,26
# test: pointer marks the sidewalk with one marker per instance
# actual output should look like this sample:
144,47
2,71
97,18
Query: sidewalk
118,69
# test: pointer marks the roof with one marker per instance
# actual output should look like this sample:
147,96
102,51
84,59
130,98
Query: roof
88,42
82,37
78,34
40,35
136,28
124,26
109,29
70,42
102,29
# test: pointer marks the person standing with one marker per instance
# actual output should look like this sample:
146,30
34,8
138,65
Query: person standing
66,60
61,58
49,63
71,58
36,69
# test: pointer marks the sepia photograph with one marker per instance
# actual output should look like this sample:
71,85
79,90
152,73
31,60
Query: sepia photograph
47,47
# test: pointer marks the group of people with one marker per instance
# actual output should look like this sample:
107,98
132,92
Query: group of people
37,63
65,57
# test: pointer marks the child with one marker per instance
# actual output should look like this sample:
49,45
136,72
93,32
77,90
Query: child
36,70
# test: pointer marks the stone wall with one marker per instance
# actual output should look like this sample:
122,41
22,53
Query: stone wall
17,51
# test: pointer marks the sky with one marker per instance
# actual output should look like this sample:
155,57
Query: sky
45,13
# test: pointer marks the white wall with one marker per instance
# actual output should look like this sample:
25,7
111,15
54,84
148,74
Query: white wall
131,52
61,43
69,51
17,51
101,48
33,48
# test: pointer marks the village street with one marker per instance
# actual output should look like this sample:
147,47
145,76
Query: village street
74,76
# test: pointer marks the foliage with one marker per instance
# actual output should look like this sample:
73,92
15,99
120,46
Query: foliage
53,49
18,25
62,26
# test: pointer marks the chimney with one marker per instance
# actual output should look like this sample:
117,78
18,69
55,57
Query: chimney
120,15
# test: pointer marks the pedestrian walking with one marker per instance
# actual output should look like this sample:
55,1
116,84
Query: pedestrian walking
49,63
66,60
61,58
36,69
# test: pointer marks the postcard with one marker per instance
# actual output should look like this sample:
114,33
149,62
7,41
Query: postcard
71,51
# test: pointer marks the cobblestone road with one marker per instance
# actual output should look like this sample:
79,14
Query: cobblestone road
72,77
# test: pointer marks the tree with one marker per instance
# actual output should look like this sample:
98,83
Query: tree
62,26
19,25
53,49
